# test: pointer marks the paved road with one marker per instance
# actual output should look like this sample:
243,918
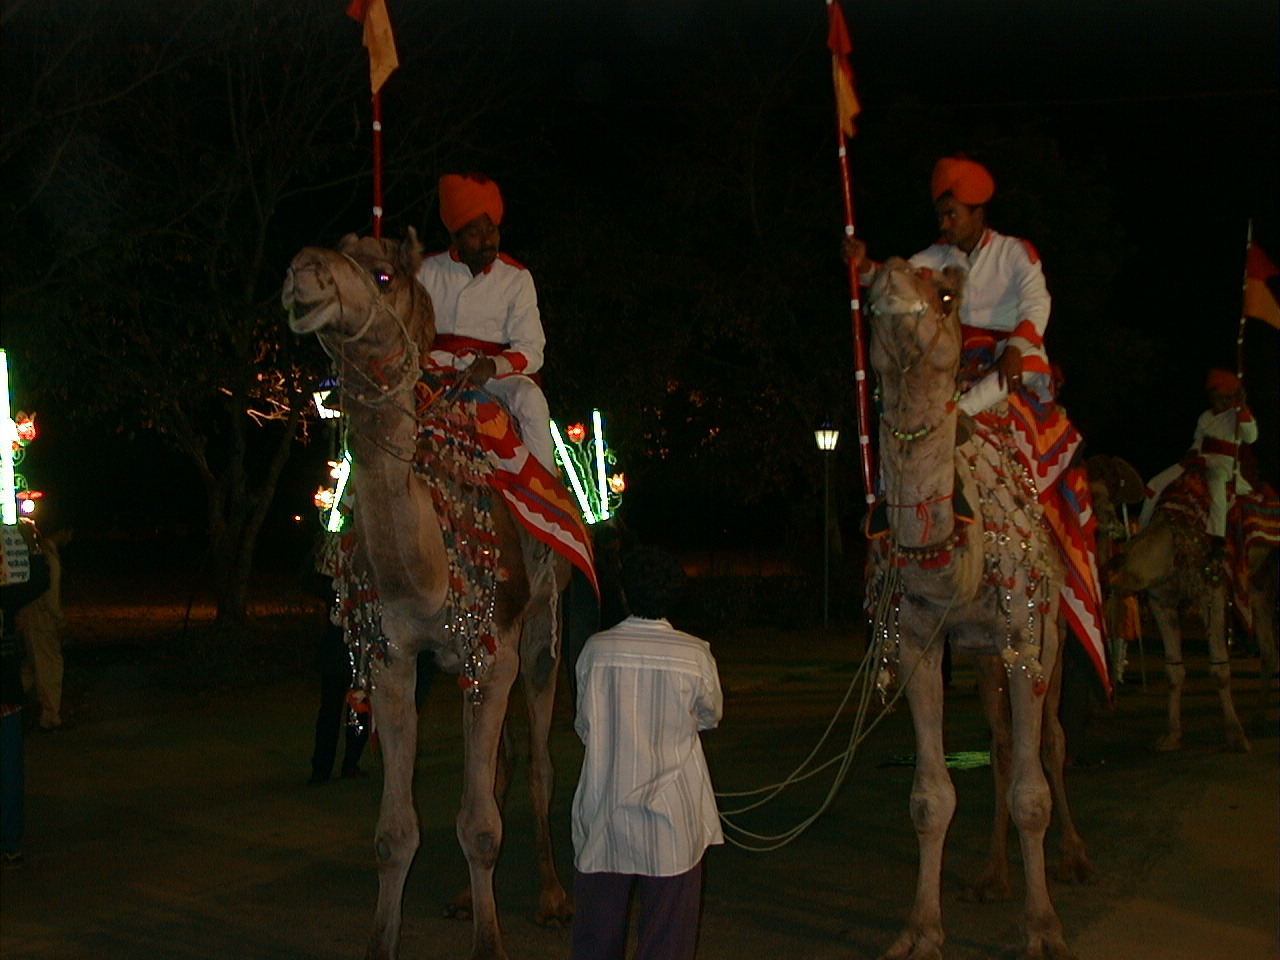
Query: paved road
167,826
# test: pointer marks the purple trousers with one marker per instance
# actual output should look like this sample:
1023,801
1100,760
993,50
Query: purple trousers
666,924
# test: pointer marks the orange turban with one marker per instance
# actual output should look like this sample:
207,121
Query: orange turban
1222,381
966,180
463,197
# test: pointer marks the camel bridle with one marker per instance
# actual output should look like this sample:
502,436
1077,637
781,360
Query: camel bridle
333,343
912,308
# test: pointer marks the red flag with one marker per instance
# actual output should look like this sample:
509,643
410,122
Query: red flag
1261,278
847,106
377,37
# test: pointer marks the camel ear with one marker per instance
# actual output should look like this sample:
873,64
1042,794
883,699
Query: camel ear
346,244
956,279
411,250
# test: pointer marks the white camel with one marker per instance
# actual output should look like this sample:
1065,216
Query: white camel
989,587
376,320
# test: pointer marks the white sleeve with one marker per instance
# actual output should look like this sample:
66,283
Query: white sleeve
1034,302
524,330
710,704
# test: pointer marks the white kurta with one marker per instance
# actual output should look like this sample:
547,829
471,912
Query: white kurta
498,305
644,803
1218,465
1004,290
1220,459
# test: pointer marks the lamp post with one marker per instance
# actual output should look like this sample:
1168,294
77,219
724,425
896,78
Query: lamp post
826,436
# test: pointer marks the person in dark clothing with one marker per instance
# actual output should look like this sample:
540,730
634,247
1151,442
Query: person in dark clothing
334,663
13,597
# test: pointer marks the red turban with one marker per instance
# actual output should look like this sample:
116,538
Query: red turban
966,180
1222,381
463,197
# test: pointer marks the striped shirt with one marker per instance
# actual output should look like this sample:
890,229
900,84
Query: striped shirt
644,803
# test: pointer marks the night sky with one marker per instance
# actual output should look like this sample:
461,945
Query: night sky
1174,102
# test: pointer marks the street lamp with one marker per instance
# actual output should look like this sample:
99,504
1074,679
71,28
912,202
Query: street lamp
826,437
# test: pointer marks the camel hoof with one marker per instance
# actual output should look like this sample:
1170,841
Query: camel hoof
1169,743
1075,870
554,917
1237,742
459,909
1042,948
989,890
915,945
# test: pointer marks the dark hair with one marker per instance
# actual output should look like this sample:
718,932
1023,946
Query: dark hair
652,580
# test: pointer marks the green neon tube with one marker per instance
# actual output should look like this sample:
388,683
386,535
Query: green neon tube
344,471
8,434
602,483
566,461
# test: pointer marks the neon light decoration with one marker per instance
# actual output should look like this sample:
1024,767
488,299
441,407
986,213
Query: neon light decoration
322,396
341,472
10,443
586,466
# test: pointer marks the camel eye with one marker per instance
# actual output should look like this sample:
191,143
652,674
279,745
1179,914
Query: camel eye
946,296
382,278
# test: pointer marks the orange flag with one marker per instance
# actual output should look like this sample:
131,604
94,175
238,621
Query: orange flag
1261,278
377,37
847,106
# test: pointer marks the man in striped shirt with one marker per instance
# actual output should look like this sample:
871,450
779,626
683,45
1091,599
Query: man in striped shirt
644,812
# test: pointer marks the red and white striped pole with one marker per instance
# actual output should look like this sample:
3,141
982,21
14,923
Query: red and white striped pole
846,108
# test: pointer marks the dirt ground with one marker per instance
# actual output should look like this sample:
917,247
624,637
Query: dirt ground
171,820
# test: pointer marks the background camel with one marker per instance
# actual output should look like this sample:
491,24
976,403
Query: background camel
375,320
989,587
1169,561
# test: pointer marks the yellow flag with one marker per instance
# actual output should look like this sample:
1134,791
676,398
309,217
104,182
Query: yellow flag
1260,287
847,106
377,38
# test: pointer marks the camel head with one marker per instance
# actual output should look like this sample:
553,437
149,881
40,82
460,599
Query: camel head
340,290
915,323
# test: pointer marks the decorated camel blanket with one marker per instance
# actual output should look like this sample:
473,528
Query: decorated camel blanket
1044,442
468,435
1253,520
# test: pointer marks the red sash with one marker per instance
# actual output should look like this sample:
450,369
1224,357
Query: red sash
454,343
1223,448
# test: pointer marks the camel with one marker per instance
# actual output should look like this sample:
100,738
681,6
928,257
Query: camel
373,317
989,587
1169,561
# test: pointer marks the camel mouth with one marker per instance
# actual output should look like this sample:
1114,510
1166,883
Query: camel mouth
307,314
310,317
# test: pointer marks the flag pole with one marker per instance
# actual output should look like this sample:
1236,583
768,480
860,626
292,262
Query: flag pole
836,26
377,163
378,39
859,341
1244,290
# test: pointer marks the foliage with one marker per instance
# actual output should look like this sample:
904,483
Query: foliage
678,204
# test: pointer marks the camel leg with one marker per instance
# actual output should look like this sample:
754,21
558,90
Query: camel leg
1262,598
1220,670
1074,867
479,823
539,673
459,908
993,885
1031,806
396,838
933,803
1165,612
